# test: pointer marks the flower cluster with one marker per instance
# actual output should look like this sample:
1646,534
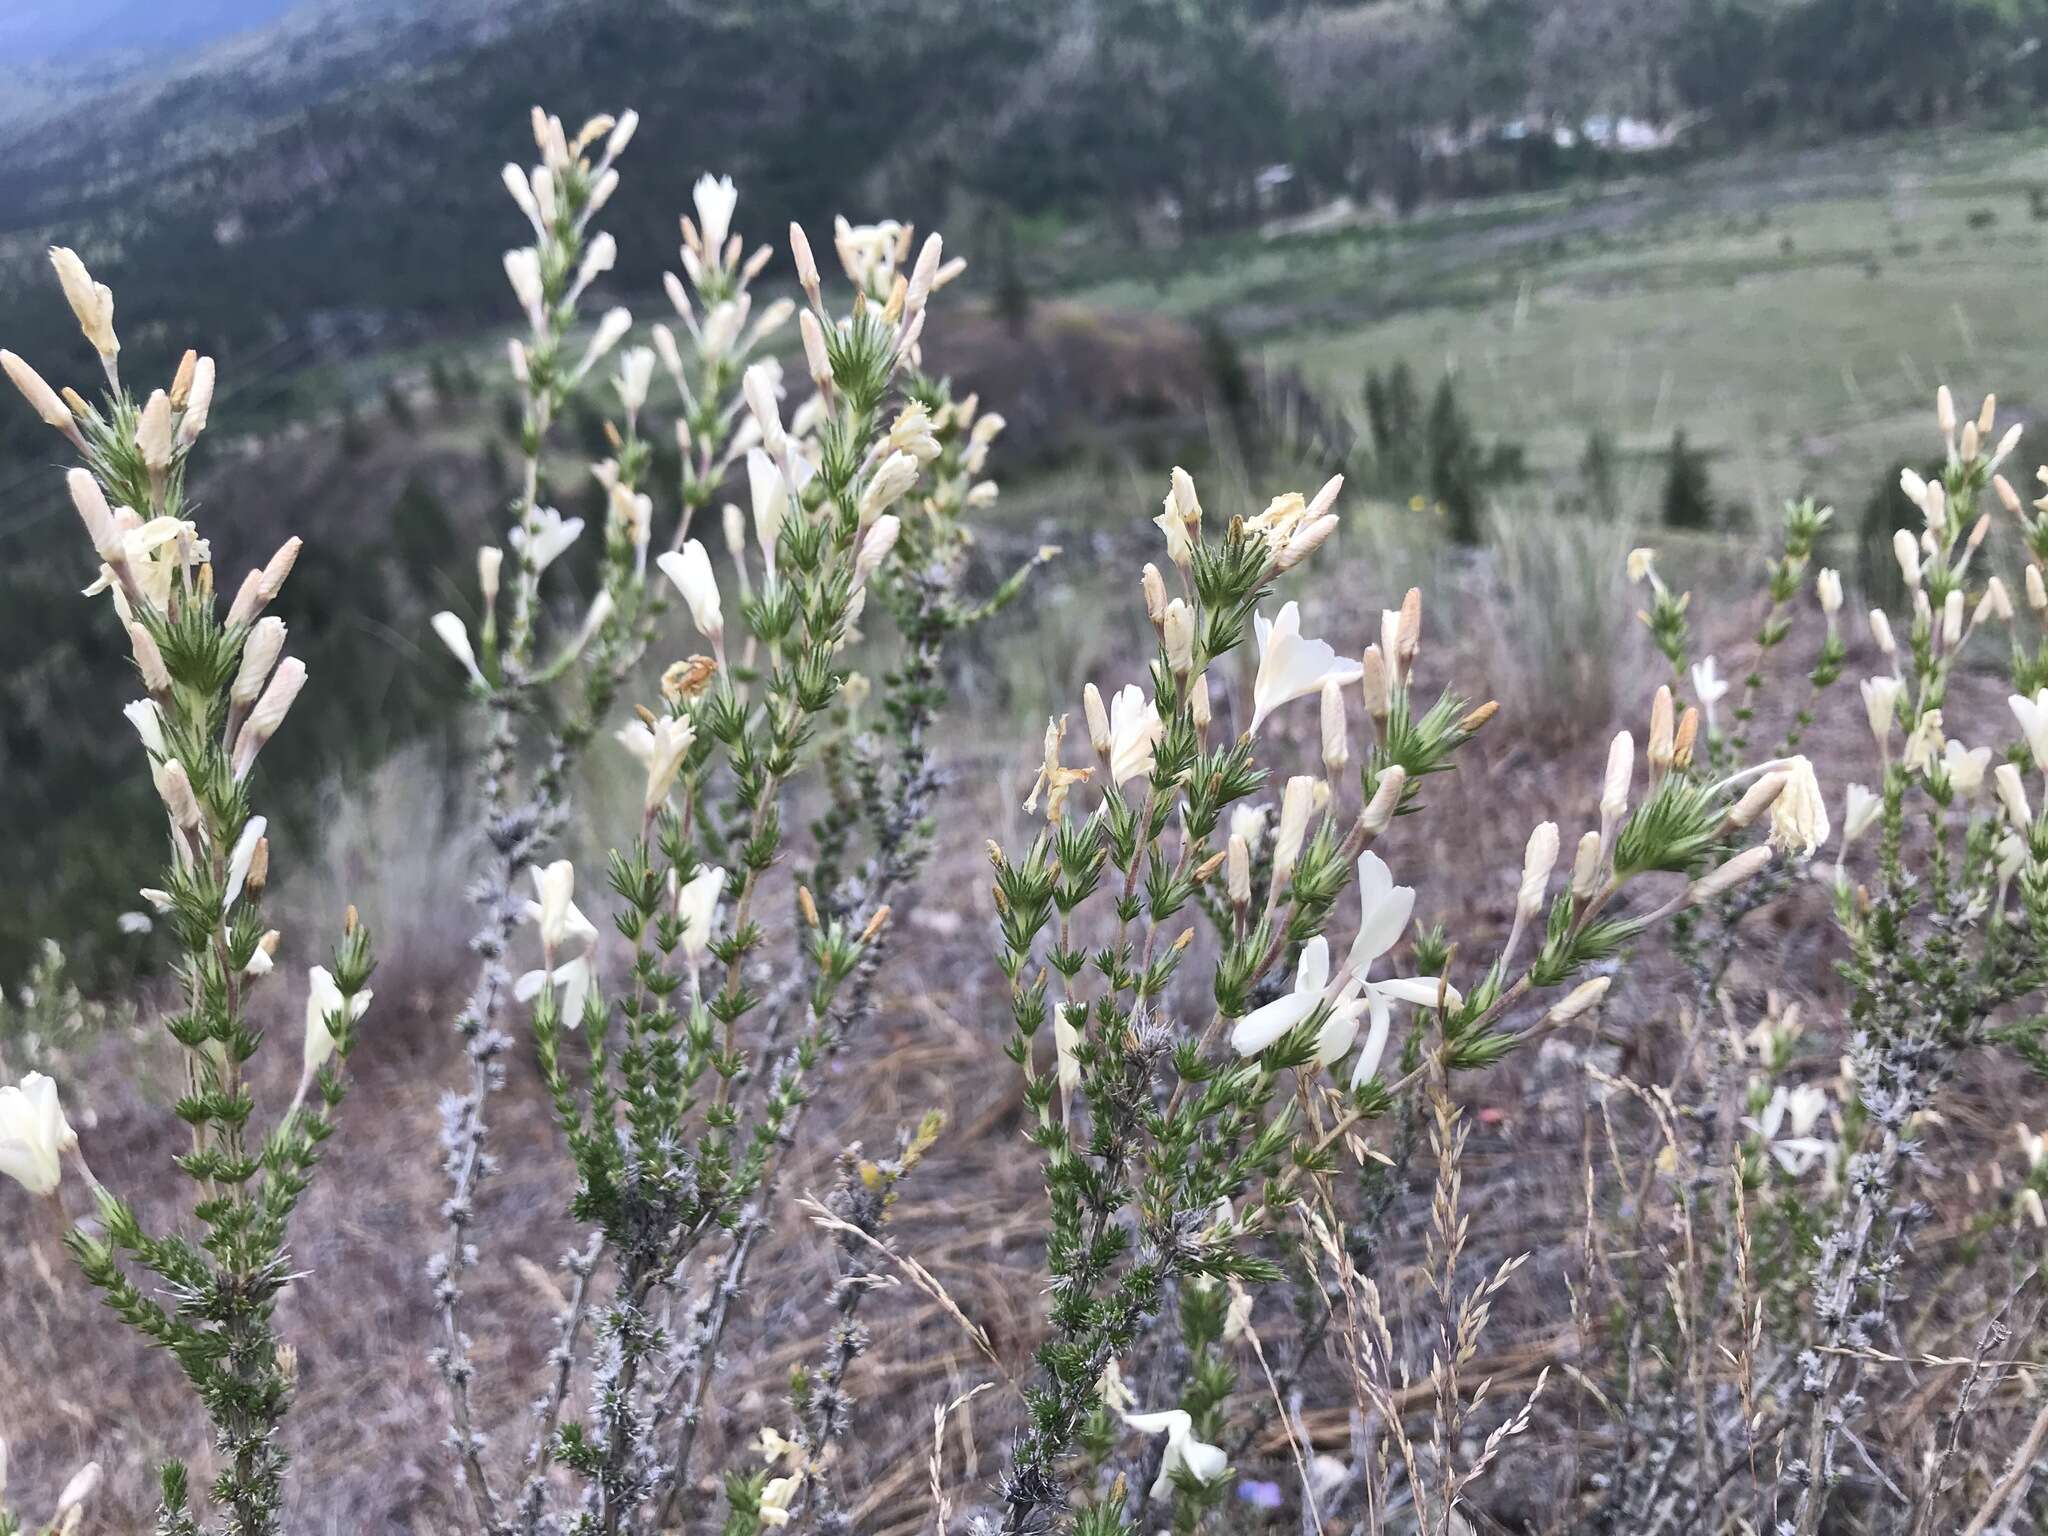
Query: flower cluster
215,689
1175,1148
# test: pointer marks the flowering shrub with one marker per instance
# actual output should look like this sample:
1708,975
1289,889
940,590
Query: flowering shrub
1236,1052
216,687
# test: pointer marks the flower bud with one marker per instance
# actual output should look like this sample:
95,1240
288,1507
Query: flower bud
41,398
1586,867
1098,719
2013,794
1336,735
758,386
1373,683
1743,867
894,476
1153,585
1906,549
1580,999
268,714
1621,762
2007,496
875,546
490,560
1198,704
1828,585
198,403
1177,629
174,785
1881,632
259,654
1759,797
1687,733
1386,800
1660,748
1539,858
1297,801
153,432
1239,857
34,1135
806,263
816,358
94,512
91,302
149,660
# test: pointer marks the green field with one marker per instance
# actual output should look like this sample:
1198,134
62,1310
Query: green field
1792,312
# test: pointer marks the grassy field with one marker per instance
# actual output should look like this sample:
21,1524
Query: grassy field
1793,311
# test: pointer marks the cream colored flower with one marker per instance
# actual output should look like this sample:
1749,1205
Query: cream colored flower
1799,815
1262,1026
1054,780
1880,706
2032,715
544,537
1291,667
697,909
660,749
1206,1462
1135,730
455,635
715,198
91,302
1709,687
1860,810
324,1001
690,570
34,1135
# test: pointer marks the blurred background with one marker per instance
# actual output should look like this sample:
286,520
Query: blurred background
1544,279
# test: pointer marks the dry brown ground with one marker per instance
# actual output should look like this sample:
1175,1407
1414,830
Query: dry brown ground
366,1434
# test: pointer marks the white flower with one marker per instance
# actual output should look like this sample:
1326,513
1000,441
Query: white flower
875,545
2032,715
895,475
543,537
324,1001
241,858
1135,730
690,570
198,403
1709,687
1289,666
556,912
34,1135
1860,810
522,270
574,977
1205,1462
1965,768
611,328
1828,585
1803,1106
715,197
455,635
1881,705
697,908
770,496
1906,549
148,721
1262,1026
1249,822
660,748
2012,793
1799,816
777,1494
1384,910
